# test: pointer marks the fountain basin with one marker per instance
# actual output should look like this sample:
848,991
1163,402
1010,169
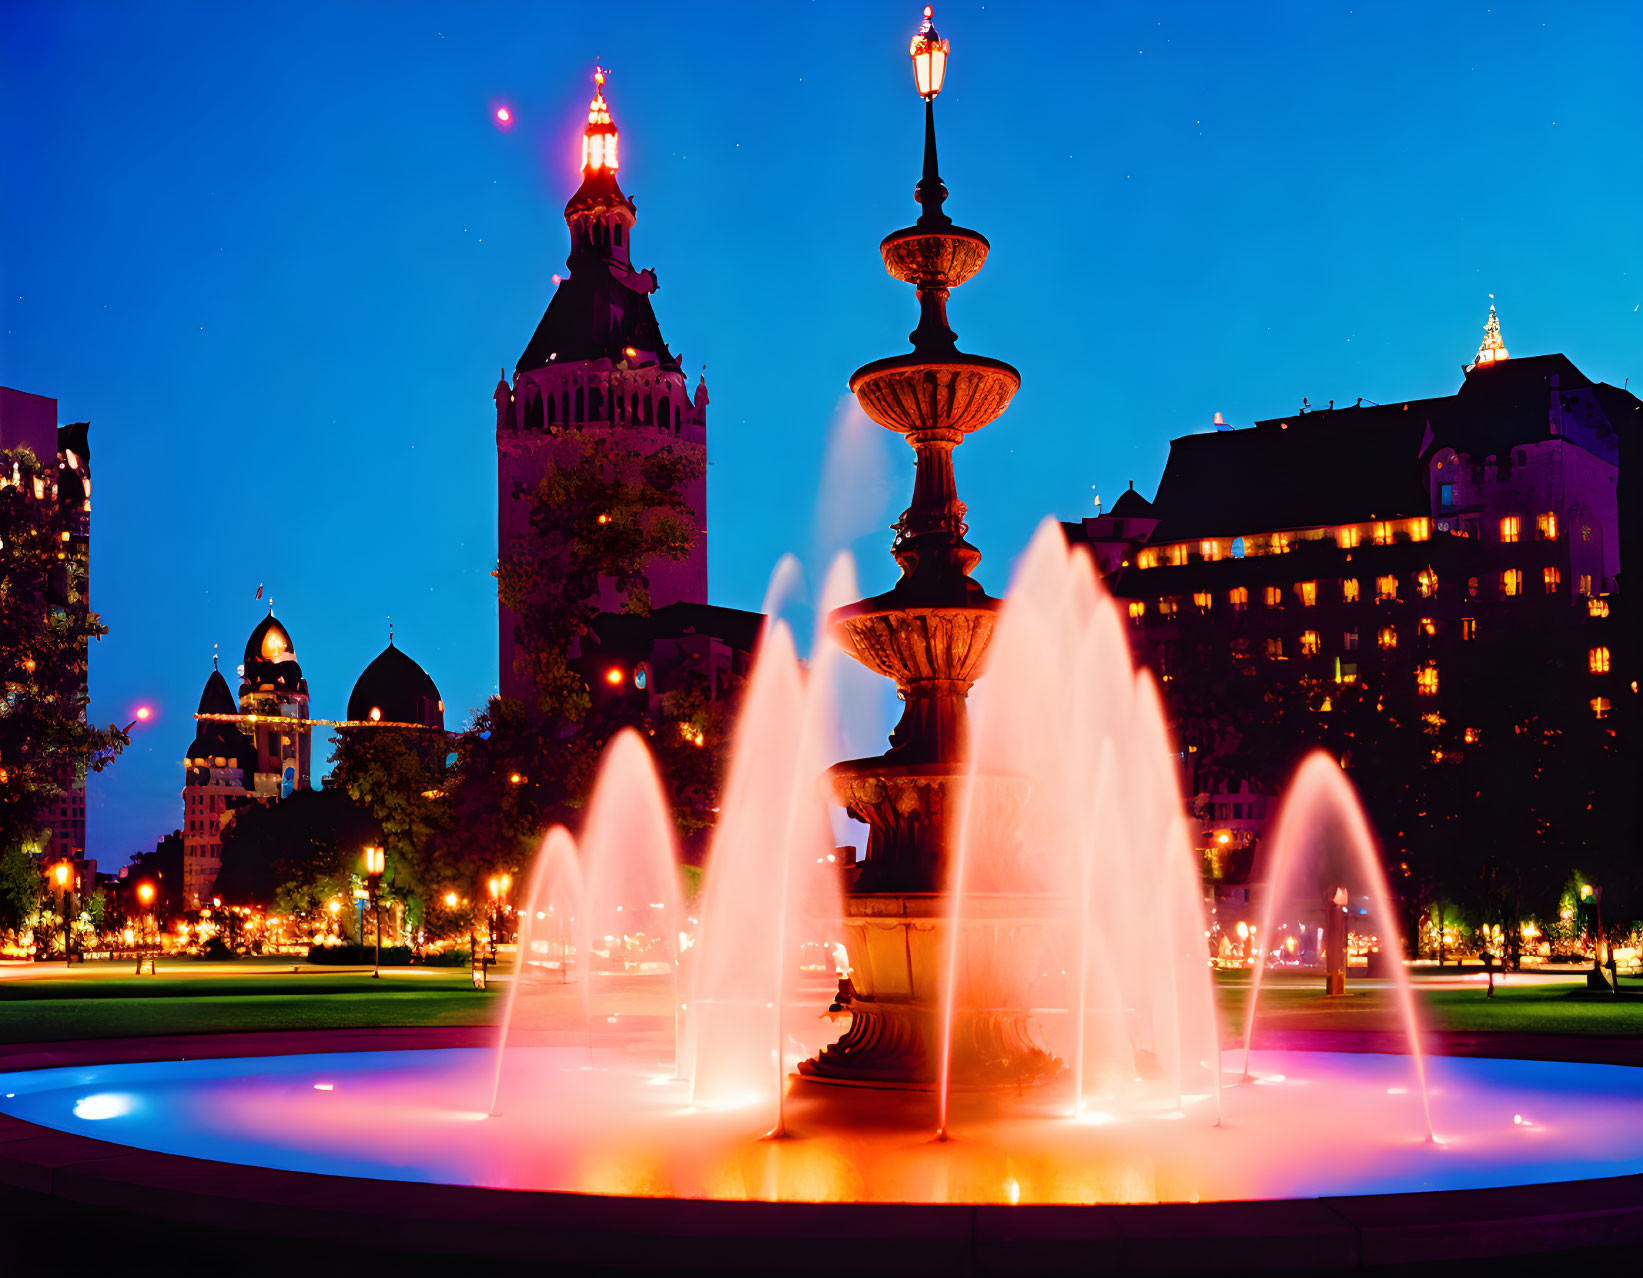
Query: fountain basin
947,396
1574,1182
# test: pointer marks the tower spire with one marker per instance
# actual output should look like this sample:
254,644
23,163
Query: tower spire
1493,349
599,138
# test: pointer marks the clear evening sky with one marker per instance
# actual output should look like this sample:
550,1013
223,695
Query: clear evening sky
276,255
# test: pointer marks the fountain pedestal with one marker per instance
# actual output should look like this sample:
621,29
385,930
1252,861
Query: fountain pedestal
930,634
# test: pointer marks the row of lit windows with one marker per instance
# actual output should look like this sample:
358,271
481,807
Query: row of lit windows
1386,591
1511,527
1382,532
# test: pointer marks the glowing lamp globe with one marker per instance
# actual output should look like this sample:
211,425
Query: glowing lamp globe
145,892
62,874
929,52
375,861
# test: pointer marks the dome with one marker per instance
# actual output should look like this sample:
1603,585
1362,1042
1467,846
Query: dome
394,689
213,738
270,657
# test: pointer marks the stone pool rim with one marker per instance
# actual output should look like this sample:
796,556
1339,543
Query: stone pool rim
616,1233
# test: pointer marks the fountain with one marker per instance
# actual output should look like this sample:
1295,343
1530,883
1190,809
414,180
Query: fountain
1018,964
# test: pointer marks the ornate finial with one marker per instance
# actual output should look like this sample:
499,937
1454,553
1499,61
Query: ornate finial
213,658
1493,349
599,138
390,632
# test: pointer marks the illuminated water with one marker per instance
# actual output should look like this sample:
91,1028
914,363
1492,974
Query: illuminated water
1318,1124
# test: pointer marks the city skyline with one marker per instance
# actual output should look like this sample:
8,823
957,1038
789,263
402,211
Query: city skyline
178,233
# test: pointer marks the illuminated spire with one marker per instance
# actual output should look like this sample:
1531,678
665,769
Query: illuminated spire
1493,349
599,138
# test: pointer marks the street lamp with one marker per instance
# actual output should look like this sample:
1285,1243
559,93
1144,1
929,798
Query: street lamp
62,871
374,864
929,53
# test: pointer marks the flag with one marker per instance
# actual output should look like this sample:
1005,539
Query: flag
259,591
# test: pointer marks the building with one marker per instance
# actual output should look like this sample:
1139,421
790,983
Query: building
597,368
1390,546
31,421
257,749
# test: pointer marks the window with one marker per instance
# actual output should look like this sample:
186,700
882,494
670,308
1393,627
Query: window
1511,581
1275,648
1138,609
1388,638
1308,593
1429,627
1347,538
1210,550
1426,680
1597,607
1383,533
1508,528
1426,581
1446,496
1202,599
1168,606
1600,707
1147,559
1553,579
1238,597
1597,661
1420,529
1468,627
1310,643
1347,672
1349,641
1280,543
1521,457
1386,588
1585,530
1546,526
1237,547
1586,584
1274,597
1349,590
1177,554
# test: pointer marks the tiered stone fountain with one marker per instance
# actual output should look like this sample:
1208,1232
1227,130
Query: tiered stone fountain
930,634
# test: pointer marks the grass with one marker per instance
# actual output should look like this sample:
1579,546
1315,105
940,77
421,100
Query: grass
112,1003
117,1006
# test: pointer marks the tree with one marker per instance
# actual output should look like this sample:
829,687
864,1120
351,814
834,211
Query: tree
296,854
46,622
21,885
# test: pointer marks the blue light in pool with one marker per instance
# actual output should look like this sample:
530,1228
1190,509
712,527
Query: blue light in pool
105,1105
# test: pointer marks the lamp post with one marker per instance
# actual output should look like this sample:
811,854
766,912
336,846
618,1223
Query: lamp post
62,872
374,864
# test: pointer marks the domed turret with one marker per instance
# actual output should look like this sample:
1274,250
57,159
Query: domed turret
270,657
394,689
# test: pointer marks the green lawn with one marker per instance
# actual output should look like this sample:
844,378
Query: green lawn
115,1006
112,1002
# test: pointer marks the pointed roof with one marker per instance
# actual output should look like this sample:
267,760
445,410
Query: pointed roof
214,739
269,641
398,690
1493,350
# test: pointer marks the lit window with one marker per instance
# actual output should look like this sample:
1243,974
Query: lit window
1138,609
1585,529
1600,707
1210,549
1202,599
1586,583
1275,648
1426,581
1349,590
1349,641
1511,581
1420,529
1383,533
1598,607
1280,543
1388,638
1308,592
1597,661
1347,538
1386,588
1147,559
1553,579
1472,587
1167,606
1238,597
1310,643
1428,626
1471,736
1274,597
1177,554
1426,681
1546,526
1508,528
1468,627
1237,547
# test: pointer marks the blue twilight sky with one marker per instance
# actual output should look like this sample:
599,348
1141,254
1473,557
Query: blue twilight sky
277,253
